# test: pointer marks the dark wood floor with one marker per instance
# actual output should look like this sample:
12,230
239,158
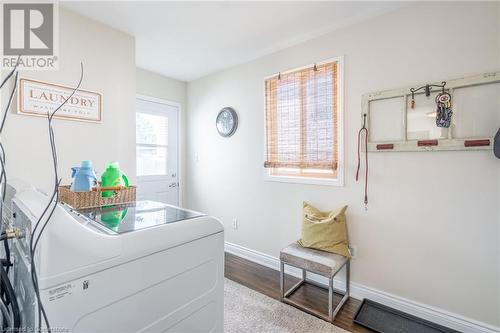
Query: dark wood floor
266,281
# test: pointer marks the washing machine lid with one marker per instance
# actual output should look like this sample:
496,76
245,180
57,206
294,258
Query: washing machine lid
136,215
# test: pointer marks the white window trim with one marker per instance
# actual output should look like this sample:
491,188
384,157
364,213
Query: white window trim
339,181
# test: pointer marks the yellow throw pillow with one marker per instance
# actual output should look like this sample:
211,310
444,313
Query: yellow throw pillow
326,231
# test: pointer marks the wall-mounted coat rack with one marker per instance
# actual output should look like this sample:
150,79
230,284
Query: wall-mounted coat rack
462,114
428,88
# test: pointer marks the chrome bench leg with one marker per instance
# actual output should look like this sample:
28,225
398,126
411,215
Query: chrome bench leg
332,312
286,293
348,278
282,281
344,299
330,299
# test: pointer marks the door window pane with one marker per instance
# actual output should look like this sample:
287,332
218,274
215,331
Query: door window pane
151,129
152,141
151,160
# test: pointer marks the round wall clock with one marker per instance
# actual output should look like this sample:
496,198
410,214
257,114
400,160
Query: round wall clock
226,122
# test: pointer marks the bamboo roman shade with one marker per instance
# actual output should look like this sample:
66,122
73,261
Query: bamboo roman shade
302,118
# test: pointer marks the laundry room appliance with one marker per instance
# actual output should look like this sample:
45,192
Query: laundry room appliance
138,267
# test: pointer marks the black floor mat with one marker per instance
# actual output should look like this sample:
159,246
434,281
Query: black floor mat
384,319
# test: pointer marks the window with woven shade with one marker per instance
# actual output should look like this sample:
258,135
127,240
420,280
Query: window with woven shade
303,122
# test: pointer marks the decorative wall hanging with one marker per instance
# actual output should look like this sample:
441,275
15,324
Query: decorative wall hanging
443,112
460,114
227,122
36,98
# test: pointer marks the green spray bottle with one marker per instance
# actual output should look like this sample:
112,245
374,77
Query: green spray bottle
112,176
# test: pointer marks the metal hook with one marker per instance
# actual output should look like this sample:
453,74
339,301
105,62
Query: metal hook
427,88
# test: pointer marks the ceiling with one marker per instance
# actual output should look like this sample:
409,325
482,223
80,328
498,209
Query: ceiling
188,40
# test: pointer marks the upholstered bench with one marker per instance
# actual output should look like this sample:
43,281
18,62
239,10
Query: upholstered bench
319,262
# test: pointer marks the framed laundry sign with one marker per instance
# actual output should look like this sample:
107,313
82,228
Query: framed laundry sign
37,98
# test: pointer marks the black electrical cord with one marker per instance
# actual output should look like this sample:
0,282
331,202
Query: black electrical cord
3,175
7,255
11,296
7,295
10,73
52,204
11,97
3,179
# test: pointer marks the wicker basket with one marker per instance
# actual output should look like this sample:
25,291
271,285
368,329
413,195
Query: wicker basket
94,198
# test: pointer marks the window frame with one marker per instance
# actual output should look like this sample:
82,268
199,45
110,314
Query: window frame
339,180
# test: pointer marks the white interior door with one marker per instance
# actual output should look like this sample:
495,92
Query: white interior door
157,151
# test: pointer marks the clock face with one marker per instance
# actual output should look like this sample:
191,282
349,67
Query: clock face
227,122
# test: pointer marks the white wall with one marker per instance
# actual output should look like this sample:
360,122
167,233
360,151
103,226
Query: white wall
155,85
432,231
109,68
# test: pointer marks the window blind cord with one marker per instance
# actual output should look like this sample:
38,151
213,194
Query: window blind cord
364,131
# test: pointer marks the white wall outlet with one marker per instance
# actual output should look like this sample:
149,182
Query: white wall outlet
235,223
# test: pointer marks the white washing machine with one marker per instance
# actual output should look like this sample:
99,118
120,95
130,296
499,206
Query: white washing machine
139,267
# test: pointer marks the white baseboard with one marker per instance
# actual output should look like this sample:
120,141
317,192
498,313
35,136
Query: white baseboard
433,314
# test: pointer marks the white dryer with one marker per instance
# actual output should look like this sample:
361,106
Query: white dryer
139,267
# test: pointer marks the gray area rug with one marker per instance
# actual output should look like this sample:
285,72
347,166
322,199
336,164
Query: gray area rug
246,310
